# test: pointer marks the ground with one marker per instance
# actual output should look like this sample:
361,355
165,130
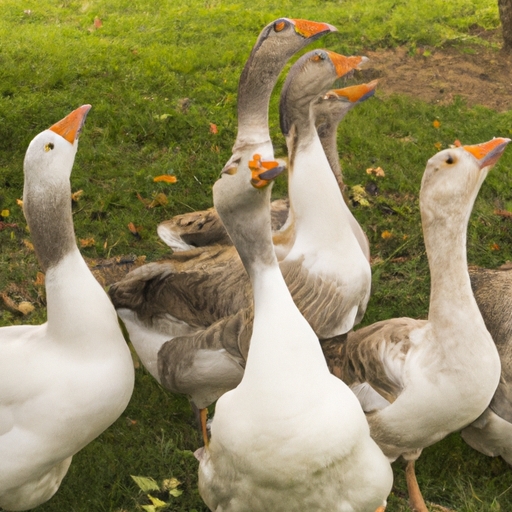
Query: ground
481,75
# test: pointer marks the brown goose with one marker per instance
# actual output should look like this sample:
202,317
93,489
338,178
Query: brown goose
193,290
491,433
203,228
64,382
419,380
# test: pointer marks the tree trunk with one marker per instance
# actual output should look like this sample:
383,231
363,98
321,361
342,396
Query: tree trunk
505,7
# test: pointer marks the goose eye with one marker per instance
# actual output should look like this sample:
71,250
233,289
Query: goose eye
49,146
450,160
279,25
318,57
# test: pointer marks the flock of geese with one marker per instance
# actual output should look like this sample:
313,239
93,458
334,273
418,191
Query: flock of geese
235,316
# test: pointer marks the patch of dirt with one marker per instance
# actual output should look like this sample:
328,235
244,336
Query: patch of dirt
480,75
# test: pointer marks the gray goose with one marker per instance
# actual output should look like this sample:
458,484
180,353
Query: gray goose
491,433
419,380
277,42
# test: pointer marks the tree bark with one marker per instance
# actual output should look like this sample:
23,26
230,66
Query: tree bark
505,7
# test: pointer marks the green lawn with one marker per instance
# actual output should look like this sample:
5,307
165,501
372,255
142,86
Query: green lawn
158,74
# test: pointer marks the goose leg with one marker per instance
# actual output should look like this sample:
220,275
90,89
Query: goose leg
416,501
203,414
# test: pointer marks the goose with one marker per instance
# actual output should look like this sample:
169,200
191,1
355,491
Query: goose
191,291
491,433
419,380
290,436
275,45
202,228
64,382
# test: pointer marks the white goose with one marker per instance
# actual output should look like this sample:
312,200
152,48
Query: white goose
291,436
419,380
275,45
64,382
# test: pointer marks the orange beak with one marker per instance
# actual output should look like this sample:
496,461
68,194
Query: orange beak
344,64
488,153
357,92
69,128
309,29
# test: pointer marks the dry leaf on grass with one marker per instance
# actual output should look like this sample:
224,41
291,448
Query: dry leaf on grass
87,242
168,178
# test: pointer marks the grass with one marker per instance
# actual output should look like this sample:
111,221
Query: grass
158,74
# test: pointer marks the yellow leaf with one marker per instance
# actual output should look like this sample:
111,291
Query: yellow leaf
75,196
170,483
5,213
159,200
156,502
386,234
438,146
495,247
19,202
26,307
168,178
359,195
379,172
146,484
28,245
436,124
87,242
39,279
214,129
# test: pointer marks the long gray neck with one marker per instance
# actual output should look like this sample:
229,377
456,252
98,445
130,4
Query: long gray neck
48,213
247,221
257,81
327,131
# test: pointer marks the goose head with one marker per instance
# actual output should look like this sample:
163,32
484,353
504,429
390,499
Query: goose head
332,107
46,193
243,204
453,178
312,75
277,42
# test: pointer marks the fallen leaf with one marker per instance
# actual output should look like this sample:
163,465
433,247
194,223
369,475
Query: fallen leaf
495,247
214,129
438,146
436,124
19,202
359,195
146,484
97,22
28,245
145,202
5,213
386,235
87,242
5,225
159,200
39,279
133,230
379,172
170,483
503,213
457,143
26,307
75,196
168,178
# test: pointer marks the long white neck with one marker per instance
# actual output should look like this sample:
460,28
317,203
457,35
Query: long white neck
283,345
321,216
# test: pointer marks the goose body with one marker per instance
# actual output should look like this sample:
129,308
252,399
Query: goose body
290,436
419,380
329,278
64,382
207,290
491,433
